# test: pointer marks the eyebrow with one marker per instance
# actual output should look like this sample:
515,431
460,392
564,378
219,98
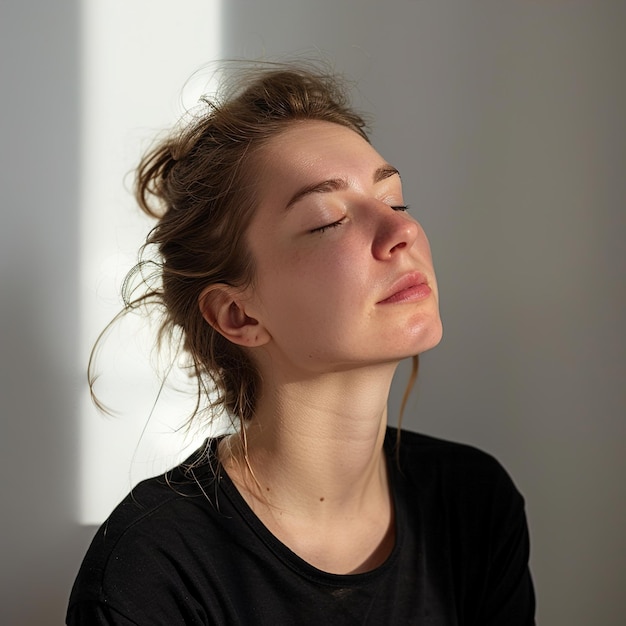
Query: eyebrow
339,184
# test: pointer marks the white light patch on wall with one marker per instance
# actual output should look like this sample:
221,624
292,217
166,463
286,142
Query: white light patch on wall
137,55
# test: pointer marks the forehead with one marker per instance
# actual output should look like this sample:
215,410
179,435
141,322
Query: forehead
309,144
309,151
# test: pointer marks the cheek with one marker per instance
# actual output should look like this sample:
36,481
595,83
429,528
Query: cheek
306,288
320,261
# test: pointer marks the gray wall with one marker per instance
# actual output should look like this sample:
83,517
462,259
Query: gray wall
507,121
39,117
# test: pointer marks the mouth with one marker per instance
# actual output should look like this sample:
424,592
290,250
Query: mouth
411,287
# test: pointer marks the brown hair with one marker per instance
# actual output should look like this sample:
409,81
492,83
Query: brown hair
199,183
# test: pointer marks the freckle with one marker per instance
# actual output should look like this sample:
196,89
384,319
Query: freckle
321,499
267,488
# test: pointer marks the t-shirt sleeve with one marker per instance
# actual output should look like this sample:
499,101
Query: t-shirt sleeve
96,614
508,592
142,566
145,579
471,521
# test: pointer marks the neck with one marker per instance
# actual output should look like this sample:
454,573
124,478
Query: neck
314,447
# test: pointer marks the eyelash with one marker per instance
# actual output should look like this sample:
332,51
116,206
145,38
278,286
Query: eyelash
321,229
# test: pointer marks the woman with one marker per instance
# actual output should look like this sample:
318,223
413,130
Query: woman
298,281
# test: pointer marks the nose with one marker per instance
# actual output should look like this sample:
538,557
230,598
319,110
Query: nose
396,230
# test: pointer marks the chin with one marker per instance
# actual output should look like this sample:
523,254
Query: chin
429,338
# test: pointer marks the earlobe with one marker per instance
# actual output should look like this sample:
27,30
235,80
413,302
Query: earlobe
223,308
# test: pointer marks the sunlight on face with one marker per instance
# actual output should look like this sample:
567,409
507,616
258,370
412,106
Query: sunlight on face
344,275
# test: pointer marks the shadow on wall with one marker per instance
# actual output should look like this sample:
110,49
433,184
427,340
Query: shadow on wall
42,545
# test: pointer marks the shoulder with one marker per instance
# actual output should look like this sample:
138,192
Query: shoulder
466,478
162,503
147,537
466,509
426,453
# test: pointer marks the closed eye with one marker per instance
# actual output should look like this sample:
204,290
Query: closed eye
321,229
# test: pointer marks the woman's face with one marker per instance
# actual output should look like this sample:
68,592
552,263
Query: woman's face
343,276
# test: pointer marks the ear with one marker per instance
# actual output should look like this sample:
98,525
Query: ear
224,308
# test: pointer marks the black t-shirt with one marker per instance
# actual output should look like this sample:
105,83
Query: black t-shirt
185,548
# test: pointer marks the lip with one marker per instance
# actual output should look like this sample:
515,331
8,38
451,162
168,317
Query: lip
411,287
